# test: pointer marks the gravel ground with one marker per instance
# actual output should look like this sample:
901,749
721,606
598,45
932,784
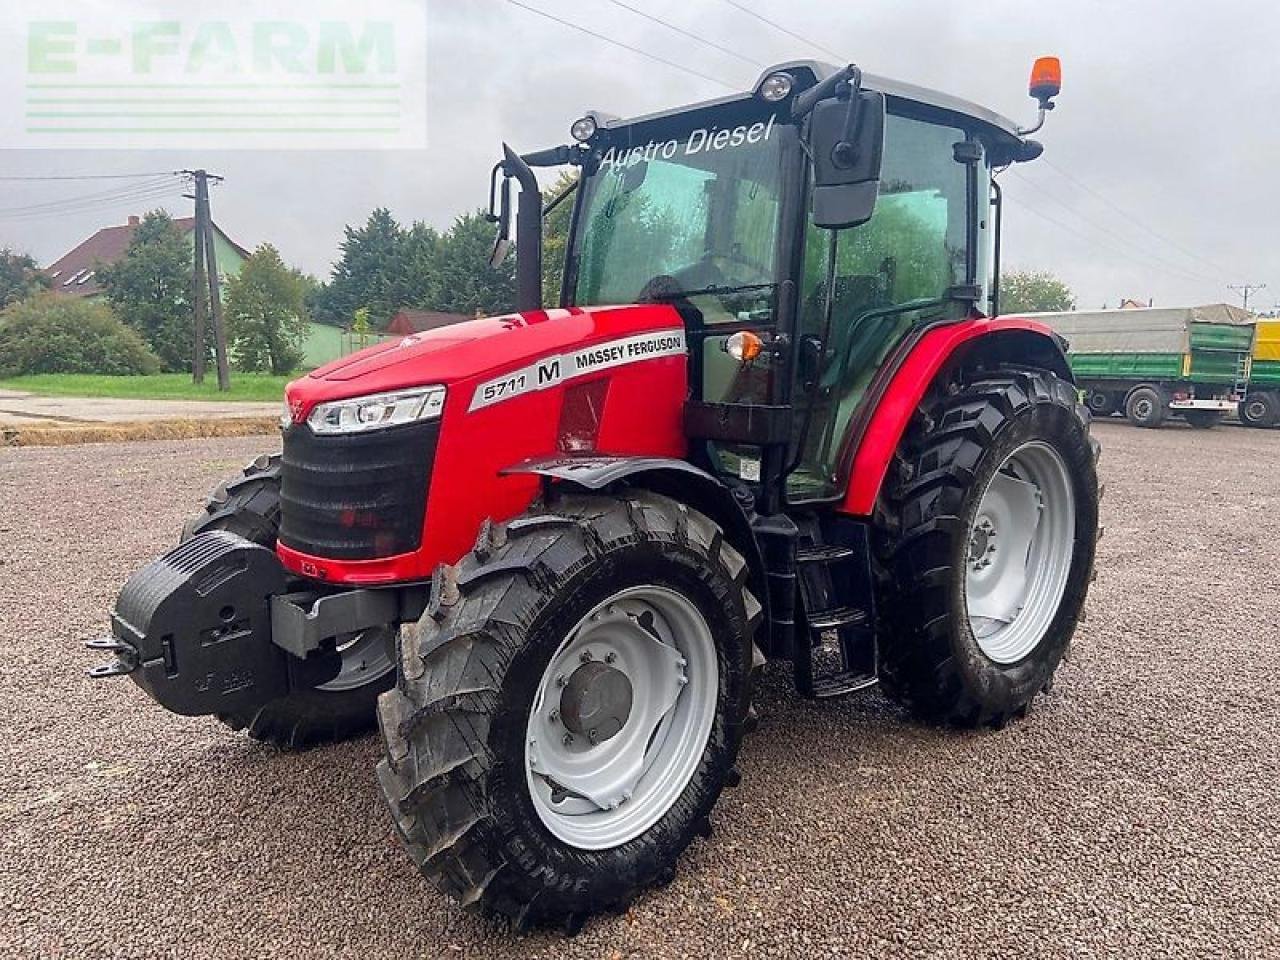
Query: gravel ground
1134,812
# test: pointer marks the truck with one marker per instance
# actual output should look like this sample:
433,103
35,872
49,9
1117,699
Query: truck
1261,406
1154,363
773,416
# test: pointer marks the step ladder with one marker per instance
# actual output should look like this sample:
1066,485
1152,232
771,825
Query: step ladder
1244,364
835,644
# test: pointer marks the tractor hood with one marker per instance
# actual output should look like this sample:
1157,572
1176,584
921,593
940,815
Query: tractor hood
466,354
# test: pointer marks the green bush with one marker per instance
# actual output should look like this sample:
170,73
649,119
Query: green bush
54,333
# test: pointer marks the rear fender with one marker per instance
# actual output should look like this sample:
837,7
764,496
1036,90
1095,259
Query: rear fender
991,341
670,477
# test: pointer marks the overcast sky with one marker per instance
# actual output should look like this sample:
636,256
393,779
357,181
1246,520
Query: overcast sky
1158,180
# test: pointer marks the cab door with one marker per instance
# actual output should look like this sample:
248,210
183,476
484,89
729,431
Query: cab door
898,270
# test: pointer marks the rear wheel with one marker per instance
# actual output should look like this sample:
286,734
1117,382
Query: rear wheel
1259,410
985,548
345,706
570,707
1146,407
1203,419
1102,403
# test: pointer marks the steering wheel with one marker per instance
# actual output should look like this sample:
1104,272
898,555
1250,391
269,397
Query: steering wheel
736,258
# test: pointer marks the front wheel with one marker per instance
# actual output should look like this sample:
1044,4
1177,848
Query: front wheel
1102,403
986,548
570,706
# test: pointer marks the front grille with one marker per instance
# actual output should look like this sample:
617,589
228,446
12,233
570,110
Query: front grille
359,496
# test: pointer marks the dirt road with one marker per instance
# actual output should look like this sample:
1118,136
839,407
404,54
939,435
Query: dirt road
1134,813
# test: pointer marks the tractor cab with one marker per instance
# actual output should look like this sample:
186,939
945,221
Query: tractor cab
806,231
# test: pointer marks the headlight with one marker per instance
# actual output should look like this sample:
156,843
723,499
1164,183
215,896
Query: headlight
379,410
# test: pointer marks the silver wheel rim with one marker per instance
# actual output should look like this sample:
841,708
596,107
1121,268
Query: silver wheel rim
1255,410
1143,408
365,658
593,788
1019,555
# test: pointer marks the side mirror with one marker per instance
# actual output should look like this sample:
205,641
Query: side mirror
846,137
502,242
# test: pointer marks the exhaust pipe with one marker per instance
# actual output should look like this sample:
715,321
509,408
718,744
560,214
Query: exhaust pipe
528,232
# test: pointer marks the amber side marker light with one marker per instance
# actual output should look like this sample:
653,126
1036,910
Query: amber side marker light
744,346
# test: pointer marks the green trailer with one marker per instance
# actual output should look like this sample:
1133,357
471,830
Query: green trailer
1154,363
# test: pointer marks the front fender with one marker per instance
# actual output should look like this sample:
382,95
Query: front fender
674,478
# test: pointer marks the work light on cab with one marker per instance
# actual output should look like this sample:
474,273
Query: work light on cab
584,129
777,87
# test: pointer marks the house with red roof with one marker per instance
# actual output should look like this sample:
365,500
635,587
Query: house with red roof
74,273
409,321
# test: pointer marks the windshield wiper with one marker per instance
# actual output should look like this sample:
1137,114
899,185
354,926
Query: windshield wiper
714,290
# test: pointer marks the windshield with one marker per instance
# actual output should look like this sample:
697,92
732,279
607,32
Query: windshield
695,209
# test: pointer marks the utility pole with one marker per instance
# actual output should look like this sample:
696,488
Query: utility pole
206,266
1244,289
199,302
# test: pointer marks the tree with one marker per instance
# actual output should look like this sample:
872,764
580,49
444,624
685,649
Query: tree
48,333
20,277
267,313
464,282
1026,291
150,289
383,267
555,237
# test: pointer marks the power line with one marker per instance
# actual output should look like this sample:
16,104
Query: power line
687,33
115,193
840,58
97,176
110,192
618,43
89,208
1131,217
80,205
99,204
1140,252
1093,241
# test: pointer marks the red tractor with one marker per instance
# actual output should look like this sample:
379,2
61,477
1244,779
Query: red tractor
772,418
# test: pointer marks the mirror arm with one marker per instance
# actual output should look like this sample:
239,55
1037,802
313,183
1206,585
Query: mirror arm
556,157
803,105
845,153
560,198
492,216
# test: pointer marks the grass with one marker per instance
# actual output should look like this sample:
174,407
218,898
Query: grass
161,386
